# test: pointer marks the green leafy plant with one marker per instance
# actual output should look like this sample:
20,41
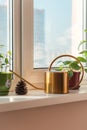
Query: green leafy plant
69,66
83,53
4,60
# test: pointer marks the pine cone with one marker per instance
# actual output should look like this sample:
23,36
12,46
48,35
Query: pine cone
21,88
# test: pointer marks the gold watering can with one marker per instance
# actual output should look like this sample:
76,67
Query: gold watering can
55,82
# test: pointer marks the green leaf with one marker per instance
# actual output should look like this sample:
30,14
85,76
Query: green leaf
59,62
6,61
86,70
75,66
59,68
81,43
81,59
70,73
3,64
1,46
85,30
66,62
84,52
9,52
1,56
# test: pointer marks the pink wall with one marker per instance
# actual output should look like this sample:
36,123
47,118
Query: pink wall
71,116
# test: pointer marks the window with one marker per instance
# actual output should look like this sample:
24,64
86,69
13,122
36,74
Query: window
55,24
39,36
10,30
52,30
5,26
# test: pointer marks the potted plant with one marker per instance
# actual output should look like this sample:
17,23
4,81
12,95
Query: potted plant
5,75
82,58
73,67
83,53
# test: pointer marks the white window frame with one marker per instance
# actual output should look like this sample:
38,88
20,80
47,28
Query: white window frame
33,75
23,42
16,36
16,28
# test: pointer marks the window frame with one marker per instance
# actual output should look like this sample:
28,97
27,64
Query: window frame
33,75
16,35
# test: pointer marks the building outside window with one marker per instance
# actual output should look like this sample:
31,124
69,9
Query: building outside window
55,29
39,37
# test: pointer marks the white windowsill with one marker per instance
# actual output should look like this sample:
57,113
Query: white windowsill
36,98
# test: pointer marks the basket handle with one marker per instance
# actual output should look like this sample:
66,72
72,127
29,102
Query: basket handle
77,84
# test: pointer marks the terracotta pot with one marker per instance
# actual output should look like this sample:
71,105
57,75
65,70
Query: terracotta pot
74,80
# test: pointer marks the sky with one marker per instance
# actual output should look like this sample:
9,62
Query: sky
58,15
58,20
3,2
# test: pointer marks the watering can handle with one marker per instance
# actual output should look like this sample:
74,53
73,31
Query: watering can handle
76,60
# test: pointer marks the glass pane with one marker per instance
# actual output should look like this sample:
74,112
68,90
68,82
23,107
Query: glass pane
52,30
5,33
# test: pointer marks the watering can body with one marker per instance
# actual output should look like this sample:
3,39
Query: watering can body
56,82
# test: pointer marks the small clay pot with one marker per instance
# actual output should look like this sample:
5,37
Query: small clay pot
74,80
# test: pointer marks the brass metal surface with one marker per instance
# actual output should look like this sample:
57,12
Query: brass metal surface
56,82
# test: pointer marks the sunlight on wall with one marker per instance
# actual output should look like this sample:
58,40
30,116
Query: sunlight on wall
77,21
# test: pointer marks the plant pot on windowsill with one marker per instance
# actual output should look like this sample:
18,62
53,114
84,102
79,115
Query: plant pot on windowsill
5,75
74,80
5,83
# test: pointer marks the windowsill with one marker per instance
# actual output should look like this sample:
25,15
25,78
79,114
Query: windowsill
36,98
